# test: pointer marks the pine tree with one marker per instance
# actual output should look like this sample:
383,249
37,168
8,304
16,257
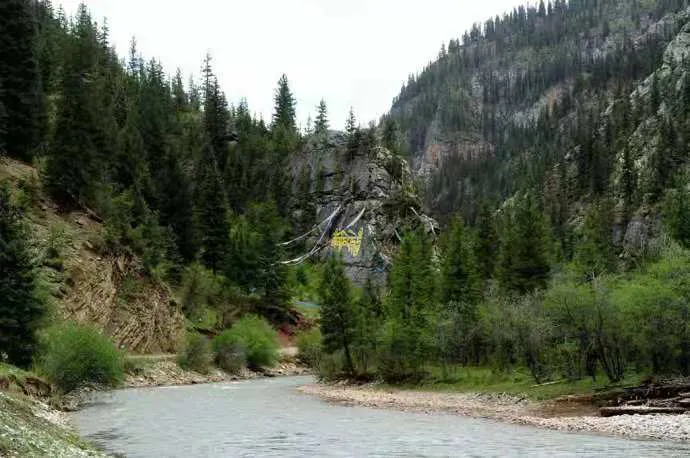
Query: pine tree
75,163
677,213
390,135
628,183
21,311
353,135
180,97
654,95
523,262
321,124
595,253
272,275
460,281
487,241
20,78
284,113
412,280
339,313
410,309
211,212
216,114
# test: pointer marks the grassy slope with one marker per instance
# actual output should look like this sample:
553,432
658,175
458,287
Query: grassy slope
485,380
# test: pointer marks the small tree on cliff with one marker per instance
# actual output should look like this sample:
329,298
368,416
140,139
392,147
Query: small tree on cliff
321,125
339,315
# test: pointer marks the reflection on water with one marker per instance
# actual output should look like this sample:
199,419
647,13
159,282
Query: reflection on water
269,418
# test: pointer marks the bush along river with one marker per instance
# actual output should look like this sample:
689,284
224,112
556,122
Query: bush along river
270,417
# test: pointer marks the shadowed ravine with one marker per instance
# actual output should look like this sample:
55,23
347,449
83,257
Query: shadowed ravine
270,418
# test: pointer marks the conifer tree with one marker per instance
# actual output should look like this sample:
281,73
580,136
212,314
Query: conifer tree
628,183
410,309
284,112
677,213
595,253
216,115
21,311
339,313
211,212
180,97
321,124
487,241
20,78
460,280
523,263
353,135
271,275
74,164
390,135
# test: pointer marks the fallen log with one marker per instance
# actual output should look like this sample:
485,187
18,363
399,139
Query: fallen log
639,410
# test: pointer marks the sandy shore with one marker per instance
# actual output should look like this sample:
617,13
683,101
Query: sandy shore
511,409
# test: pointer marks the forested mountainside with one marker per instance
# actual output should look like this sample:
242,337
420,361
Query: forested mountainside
145,198
575,100
554,138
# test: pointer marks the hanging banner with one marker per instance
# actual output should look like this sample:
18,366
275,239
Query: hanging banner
348,240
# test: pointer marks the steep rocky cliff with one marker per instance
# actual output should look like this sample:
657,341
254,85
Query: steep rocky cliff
364,200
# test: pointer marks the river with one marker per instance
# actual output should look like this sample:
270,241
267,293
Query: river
269,417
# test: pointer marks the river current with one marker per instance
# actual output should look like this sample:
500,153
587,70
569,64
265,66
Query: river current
270,418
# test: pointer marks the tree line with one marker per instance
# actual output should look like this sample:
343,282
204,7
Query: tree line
197,188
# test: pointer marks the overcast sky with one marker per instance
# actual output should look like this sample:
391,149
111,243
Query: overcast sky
350,52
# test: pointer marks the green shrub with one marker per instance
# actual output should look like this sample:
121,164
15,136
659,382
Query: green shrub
259,339
309,347
330,366
229,352
73,355
196,355
200,290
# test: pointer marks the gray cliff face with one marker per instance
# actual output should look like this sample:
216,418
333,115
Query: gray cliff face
370,197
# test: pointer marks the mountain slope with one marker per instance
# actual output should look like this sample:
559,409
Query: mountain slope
88,284
545,98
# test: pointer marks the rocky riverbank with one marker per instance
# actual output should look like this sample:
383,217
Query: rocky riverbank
31,428
512,409
168,373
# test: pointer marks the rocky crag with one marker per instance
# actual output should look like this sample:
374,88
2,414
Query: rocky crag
362,200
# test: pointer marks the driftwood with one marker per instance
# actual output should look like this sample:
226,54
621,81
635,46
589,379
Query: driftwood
639,410
661,390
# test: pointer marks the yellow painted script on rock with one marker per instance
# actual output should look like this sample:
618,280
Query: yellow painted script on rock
349,240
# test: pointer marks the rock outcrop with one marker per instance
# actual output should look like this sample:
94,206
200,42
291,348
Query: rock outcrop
369,196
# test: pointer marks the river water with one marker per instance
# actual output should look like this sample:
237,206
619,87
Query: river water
270,418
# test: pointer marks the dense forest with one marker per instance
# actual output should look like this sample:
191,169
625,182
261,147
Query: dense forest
552,144
198,190
557,136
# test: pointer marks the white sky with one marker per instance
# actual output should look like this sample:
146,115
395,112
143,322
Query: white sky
352,53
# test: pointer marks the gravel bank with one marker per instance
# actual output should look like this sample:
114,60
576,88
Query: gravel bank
508,408
168,373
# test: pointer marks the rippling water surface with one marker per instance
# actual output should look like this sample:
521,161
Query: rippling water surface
270,418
